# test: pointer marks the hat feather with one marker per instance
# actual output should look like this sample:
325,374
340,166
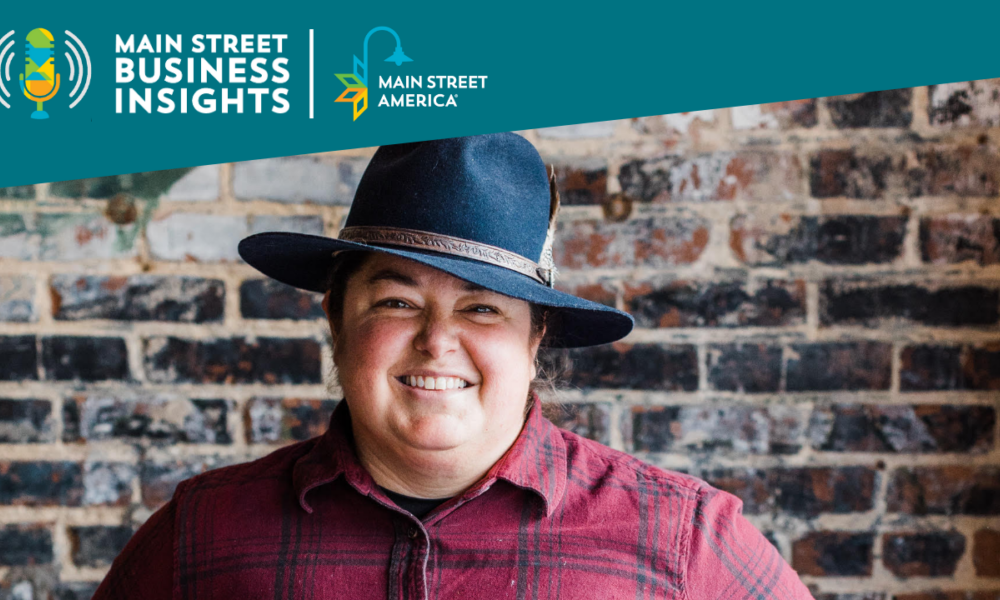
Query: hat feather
546,261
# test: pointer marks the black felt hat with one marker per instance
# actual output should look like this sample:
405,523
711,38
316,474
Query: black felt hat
481,208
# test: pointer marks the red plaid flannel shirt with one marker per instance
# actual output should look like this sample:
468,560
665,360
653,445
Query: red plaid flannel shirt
559,516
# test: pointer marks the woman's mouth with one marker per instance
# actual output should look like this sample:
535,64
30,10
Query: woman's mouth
433,383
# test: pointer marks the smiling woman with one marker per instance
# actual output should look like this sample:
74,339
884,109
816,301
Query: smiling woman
402,320
346,264
439,475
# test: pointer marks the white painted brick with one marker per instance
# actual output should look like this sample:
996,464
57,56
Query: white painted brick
190,236
681,122
295,179
752,117
312,224
17,237
17,293
966,103
601,129
84,236
199,185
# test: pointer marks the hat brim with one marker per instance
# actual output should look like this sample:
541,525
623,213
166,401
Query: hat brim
304,261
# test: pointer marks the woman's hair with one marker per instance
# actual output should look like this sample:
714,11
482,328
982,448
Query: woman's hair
346,264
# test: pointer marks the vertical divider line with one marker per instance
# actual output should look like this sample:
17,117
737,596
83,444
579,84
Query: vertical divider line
312,91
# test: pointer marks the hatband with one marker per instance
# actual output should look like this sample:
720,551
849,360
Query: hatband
446,244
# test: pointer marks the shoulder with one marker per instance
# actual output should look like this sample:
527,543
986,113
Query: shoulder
271,471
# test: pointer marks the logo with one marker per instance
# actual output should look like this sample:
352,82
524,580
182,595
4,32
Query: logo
40,82
357,83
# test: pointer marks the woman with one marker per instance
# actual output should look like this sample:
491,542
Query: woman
439,476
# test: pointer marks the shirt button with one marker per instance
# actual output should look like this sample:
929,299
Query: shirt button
413,533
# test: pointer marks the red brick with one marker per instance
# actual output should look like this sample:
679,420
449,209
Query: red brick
233,360
839,366
745,368
602,292
18,358
927,367
681,303
736,429
772,241
966,367
591,420
287,419
958,171
137,298
800,491
160,476
950,595
41,483
97,546
986,553
946,490
80,358
854,240
161,419
903,429
922,554
958,238
842,240
270,299
887,108
855,302
833,554
628,366
582,182
653,242
759,176
25,545
25,421
852,174
981,367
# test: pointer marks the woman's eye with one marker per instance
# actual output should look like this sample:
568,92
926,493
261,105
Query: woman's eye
483,309
394,303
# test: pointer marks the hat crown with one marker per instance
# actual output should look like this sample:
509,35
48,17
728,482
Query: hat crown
491,189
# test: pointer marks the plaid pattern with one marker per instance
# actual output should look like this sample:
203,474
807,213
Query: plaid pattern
559,516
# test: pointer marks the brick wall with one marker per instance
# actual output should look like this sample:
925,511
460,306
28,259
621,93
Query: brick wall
816,285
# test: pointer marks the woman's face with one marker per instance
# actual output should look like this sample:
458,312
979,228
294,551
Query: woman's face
405,323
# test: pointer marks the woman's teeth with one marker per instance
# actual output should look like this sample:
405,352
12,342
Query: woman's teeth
435,383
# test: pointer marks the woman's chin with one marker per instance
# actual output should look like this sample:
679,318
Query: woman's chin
435,432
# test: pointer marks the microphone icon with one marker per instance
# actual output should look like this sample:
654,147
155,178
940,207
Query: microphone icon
39,82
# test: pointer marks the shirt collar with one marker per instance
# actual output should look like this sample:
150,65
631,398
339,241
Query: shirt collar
535,462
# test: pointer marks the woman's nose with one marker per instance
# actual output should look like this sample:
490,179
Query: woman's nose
437,337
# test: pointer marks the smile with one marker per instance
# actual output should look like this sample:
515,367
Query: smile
433,383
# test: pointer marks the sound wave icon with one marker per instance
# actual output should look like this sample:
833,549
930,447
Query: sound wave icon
77,60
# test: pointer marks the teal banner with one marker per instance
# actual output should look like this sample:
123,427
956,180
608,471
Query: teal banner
117,87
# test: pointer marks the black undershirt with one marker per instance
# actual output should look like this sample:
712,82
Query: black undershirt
418,507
